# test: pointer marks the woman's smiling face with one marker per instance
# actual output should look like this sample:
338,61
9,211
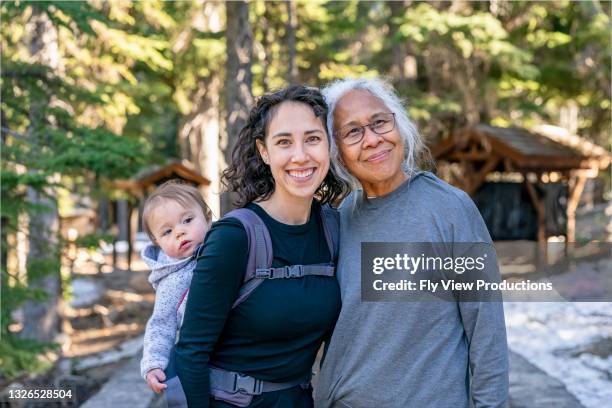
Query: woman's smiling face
376,161
296,149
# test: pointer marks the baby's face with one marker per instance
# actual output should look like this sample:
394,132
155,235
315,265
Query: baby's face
178,230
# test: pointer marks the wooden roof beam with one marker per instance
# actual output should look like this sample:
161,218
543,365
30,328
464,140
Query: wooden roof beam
481,175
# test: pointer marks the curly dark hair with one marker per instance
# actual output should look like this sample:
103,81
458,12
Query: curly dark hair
248,175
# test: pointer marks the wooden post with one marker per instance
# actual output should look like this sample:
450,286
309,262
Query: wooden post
458,176
576,187
130,210
238,79
114,254
468,174
539,206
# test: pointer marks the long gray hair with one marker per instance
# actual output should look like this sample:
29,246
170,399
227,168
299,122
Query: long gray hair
413,145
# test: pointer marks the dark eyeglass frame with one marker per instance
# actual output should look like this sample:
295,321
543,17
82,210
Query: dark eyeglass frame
338,133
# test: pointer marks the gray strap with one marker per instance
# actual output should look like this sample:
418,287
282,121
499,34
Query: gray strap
295,271
233,382
245,290
331,229
260,250
261,255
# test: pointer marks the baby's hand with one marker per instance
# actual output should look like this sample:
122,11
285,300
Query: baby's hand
155,378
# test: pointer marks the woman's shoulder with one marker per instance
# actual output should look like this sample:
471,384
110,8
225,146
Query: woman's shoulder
228,231
227,226
424,187
349,200
326,208
454,204
437,192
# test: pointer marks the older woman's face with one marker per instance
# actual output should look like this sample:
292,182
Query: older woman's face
376,161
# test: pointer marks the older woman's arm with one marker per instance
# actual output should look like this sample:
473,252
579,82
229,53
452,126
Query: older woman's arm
488,352
216,281
483,322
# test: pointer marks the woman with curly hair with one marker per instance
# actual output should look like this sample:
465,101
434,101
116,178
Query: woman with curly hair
281,171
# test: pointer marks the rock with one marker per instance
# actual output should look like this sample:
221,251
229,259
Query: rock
14,403
86,292
64,367
139,282
530,387
601,347
126,389
129,348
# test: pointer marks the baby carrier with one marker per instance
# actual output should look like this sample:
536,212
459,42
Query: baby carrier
229,386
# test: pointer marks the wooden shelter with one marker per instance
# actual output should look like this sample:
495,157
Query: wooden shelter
148,179
545,154
141,185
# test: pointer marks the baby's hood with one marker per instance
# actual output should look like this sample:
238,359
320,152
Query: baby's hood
161,265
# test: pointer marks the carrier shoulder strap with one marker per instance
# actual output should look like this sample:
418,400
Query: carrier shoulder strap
259,247
331,227
259,262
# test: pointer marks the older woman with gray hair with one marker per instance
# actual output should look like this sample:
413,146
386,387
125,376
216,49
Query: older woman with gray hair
402,354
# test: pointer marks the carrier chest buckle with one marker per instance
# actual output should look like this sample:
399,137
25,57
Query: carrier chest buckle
294,271
247,384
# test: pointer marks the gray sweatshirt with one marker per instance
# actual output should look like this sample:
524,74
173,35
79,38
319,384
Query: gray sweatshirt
170,278
412,354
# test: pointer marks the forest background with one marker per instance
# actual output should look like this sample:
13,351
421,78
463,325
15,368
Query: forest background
95,91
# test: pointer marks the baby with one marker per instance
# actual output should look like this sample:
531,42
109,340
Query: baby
176,218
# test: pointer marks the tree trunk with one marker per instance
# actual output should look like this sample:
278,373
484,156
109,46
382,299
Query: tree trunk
199,131
265,27
292,70
122,219
103,210
238,79
199,137
4,221
41,319
403,61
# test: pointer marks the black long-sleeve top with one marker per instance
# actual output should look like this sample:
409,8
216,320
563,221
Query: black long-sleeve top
274,335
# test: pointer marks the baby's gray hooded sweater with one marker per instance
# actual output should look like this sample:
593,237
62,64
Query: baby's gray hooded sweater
170,278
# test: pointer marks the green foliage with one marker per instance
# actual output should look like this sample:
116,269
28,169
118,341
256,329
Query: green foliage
12,189
130,75
71,15
93,241
22,355
95,150
61,123
18,355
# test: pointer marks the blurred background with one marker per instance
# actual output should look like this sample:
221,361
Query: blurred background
104,100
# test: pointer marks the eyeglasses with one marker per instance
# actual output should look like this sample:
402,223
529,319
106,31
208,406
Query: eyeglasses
353,134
